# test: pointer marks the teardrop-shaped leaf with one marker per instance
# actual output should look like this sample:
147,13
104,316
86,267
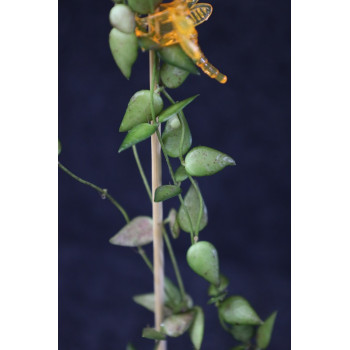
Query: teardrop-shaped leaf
136,233
171,76
202,257
173,224
264,332
197,328
139,109
214,291
175,56
172,136
239,347
176,325
175,109
151,333
242,333
148,302
191,202
165,192
204,161
124,50
180,174
144,6
237,310
137,134
122,18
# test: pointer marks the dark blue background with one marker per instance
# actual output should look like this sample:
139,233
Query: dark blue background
249,205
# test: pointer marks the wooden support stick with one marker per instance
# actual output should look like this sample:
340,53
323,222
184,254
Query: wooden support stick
157,214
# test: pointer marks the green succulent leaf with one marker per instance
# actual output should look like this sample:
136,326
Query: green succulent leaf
180,174
237,310
176,325
175,109
197,328
165,192
191,202
243,333
264,332
172,136
144,6
124,50
214,290
171,76
202,257
173,224
239,347
204,161
151,333
139,109
59,147
148,302
136,233
122,18
175,56
137,134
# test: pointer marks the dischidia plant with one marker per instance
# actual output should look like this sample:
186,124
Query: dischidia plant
168,31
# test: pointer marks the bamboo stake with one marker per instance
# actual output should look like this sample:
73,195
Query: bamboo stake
157,214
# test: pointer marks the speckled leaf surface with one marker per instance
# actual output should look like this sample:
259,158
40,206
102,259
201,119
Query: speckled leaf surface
137,232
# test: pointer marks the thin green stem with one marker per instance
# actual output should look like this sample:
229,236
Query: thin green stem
172,101
166,237
145,258
172,175
105,194
103,191
175,265
142,173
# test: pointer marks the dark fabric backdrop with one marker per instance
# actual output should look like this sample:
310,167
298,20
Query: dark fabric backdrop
249,205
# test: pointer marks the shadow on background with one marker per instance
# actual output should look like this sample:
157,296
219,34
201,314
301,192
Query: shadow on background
249,205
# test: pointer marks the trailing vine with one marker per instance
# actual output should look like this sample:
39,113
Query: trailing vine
167,31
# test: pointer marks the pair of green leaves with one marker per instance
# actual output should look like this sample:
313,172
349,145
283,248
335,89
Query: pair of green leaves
139,113
122,39
263,333
238,312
